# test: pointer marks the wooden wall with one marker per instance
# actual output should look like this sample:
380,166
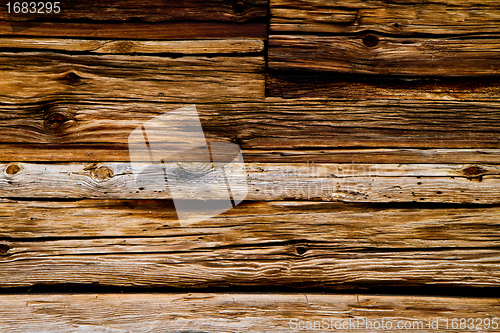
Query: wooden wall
370,132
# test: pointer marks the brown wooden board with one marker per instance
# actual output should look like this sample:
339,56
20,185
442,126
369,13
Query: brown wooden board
224,313
412,38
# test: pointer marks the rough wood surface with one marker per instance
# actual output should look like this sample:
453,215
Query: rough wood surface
151,11
200,46
327,86
143,20
440,17
453,183
224,313
151,31
44,77
338,224
81,116
196,261
372,54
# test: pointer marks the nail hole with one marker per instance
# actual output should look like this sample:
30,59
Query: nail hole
239,7
4,248
301,250
396,25
12,169
370,40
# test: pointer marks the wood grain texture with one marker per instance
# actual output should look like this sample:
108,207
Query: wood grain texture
42,77
224,313
151,31
386,55
102,152
195,261
453,183
305,224
152,11
327,86
441,17
200,46
143,20
84,116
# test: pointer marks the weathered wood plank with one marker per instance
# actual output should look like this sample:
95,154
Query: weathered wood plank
326,86
101,152
221,313
453,183
152,31
375,54
193,262
75,119
143,20
152,11
294,222
440,17
200,46
42,77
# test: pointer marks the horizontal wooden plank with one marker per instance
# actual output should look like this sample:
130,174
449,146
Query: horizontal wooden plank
326,86
453,183
375,54
340,225
151,11
78,115
439,17
119,152
42,77
221,313
195,261
198,46
154,31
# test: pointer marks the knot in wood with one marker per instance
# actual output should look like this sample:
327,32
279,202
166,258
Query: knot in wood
101,173
72,79
474,170
12,169
55,121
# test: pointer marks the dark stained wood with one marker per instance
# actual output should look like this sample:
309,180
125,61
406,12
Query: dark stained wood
326,86
223,313
152,11
313,130
412,17
376,54
150,31
143,20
